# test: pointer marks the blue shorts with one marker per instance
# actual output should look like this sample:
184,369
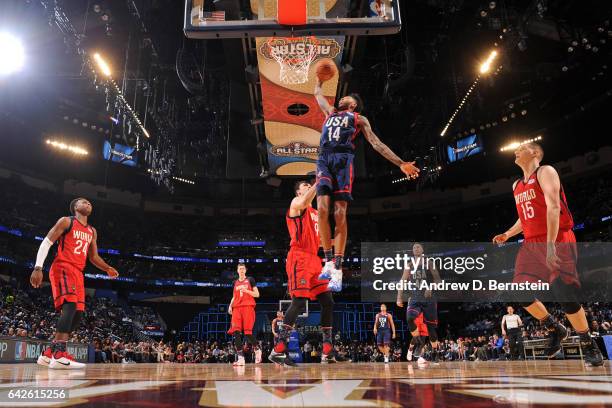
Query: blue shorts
429,308
383,337
335,175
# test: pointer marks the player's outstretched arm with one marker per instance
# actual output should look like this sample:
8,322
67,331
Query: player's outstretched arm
375,324
300,203
321,99
98,262
408,168
54,233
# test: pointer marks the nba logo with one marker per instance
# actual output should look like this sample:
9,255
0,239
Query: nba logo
20,350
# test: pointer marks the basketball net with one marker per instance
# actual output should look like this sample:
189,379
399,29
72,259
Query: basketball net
294,56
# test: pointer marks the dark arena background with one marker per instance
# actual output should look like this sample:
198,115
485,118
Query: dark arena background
175,132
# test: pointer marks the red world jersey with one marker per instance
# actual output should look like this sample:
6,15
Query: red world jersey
74,243
531,207
241,298
304,231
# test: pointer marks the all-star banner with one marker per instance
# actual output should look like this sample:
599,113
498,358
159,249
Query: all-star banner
293,139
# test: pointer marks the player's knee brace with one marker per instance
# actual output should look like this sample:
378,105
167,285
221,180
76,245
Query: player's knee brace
76,321
64,324
571,307
326,300
297,306
433,333
566,295
411,324
238,340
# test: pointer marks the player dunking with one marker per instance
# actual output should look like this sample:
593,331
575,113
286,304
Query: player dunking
548,253
384,330
242,309
303,267
77,242
335,174
421,301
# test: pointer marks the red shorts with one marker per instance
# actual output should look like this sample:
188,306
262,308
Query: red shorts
67,285
421,326
531,266
243,320
303,271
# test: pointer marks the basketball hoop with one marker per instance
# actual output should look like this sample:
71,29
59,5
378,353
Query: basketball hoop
294,56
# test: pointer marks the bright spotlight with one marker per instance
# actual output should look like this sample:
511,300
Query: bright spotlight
486,66
63,146
514,145
102,64
12,56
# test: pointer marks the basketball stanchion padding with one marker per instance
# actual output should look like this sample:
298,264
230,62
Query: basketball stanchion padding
292,12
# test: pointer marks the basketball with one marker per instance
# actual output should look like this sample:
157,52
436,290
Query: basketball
326,70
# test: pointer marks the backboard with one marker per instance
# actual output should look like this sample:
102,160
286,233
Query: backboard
258,18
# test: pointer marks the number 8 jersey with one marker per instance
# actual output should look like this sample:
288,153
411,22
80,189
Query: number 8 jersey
74,243
339,132
531,207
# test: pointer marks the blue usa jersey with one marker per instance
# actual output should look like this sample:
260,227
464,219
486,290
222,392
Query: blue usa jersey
339,132
383,321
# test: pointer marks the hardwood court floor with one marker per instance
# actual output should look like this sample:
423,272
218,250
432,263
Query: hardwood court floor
452,384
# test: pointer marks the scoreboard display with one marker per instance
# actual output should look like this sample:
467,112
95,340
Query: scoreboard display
464,147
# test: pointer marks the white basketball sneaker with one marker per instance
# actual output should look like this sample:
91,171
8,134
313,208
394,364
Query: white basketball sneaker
45,358
62,360
335,283
386,359
327,270
409,355
257,356
421,361
239,362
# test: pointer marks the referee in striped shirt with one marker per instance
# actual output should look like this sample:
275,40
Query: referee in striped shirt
511,327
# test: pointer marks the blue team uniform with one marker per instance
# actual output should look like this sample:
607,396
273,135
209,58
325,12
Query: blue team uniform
418,303
336,155
383,334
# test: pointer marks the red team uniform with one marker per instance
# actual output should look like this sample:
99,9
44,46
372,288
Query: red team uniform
243,307
303,264
66,274
531,259
421,326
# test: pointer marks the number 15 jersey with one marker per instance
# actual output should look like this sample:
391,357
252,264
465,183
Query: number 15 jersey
531,207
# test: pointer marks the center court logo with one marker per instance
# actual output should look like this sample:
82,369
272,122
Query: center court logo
326,47
293,149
